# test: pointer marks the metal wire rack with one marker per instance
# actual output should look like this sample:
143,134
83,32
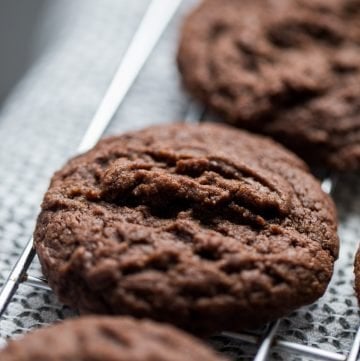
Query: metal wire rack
150,30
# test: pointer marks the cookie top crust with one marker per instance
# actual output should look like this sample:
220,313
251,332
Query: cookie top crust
107,339
205,227
286,68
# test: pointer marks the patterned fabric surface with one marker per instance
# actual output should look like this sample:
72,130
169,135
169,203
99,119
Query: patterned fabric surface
42,122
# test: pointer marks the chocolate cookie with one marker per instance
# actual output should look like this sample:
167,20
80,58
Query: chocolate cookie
206,227
357,274
286,68
107,339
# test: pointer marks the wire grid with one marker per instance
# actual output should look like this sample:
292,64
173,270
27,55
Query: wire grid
329,324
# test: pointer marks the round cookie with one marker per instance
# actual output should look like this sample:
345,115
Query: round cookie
286,68
203,226
107,339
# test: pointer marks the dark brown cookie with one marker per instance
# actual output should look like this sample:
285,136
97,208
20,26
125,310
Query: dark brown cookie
357,274
286,68
107,339
206,227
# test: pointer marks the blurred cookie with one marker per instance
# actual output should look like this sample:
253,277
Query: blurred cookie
286,68
205,227
107,339
357,274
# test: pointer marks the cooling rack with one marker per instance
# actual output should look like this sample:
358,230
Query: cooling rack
271,342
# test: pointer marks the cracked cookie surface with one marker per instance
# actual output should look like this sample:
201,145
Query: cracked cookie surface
107,339
286,68
206,227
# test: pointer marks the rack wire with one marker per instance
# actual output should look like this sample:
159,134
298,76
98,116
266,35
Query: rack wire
150,30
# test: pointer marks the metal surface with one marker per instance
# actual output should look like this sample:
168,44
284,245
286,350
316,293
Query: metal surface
16,275
266,344
194,114
354,352
329,183
287,346
37,282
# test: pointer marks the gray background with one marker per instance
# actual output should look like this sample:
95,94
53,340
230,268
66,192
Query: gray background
57,59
